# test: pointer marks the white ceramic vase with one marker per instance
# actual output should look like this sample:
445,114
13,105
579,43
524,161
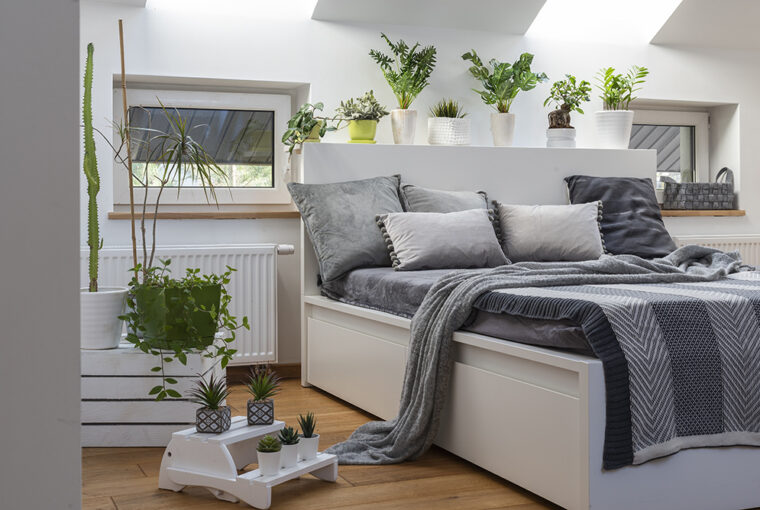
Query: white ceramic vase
269,463
404,124
289,455
309,446
613,128
99,317
503,129
560,137
448,131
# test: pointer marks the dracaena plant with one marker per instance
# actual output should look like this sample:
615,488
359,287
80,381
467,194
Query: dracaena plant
618,88
502,81
408,70
447,108
366,107
567,96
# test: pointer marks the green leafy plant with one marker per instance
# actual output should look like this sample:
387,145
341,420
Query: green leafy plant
567,96
262,384
366,107
269,444
308,424
90,168
301,125
447,108
503,81
617,88
408,71
289,435
210,394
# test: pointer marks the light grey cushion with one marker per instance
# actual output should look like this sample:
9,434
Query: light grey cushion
340,220
551,232
453,240
419,199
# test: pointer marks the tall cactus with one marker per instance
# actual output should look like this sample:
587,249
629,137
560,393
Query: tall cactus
91,172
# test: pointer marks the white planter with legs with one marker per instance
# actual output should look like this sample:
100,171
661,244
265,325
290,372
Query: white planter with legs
560,137
503,129
404,125
289,455
448,131
613,128
99,317
309,446
269,463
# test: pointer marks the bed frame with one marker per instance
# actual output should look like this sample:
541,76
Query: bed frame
546,408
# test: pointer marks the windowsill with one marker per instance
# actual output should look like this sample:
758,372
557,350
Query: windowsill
706,212
209,215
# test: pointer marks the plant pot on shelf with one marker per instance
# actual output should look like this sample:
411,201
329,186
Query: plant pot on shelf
213,421
289,455
362,131
448,131
260,412
560,137
99,317
613,128
314,133
308,447
404,125
269,463
503,129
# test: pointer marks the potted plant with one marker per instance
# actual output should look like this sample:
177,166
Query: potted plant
263,384
613,124
501,83
309,443
268,453
567,96
407,72
305,126
363,114
447,125
213,416
289,439
100,307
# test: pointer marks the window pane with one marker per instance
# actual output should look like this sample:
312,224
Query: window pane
674,146
240,141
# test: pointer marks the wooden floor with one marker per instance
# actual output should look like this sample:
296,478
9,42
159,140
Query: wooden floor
126,478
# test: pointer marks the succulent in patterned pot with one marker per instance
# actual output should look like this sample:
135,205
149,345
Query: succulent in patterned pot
268,453
309,443
213,416
289,439
263,384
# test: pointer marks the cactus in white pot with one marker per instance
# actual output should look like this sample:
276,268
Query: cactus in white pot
309,439
268,452
290,445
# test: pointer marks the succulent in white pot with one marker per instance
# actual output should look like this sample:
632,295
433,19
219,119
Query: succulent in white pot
567,96
309,441
447,125
268,452
263,384
289,438
213,416
614,123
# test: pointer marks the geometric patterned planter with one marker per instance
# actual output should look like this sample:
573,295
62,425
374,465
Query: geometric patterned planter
213,421
260,413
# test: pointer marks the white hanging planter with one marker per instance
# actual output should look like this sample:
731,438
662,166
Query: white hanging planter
99,317
448,131
404,125
503,129
309,447
269,463
289,455
613,128
560,137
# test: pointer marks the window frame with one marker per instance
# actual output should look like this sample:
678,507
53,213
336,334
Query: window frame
280,104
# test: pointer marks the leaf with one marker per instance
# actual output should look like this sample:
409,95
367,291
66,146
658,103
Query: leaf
155,369
173,393
170,380
155,389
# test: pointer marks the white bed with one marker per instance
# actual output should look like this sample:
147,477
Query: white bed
546,408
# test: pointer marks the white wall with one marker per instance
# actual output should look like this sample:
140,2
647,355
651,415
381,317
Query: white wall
277,41
39,253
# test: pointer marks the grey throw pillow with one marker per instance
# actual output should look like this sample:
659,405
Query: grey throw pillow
551,232
340,220
455,240
419,199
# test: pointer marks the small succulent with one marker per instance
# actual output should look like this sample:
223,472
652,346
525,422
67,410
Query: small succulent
307,423
289,436
362,108
269,444
263,383
209,394
447,108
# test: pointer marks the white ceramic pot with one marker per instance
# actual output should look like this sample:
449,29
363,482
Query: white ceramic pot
613,128
503,129
560,137
448,131
289,455
309,446
99,317
269,463
404,124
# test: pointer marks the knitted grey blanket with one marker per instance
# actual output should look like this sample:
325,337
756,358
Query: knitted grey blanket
449,303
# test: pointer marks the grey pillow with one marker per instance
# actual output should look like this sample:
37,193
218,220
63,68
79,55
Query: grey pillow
455,240
340,220
551,232
419,199
632,223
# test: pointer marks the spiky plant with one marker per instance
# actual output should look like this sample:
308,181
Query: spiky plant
209,394
91,173
366,107
447,108
289,436
269,444
408,71
308,424
262,383
618,88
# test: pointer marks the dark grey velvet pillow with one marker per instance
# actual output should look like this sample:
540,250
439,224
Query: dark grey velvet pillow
632,223
419,199
340,220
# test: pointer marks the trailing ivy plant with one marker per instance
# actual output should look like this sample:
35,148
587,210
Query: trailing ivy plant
303,123
618,88
567,96
502,81
365,107
408,70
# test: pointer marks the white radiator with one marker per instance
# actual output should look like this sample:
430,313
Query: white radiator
747,245
253,287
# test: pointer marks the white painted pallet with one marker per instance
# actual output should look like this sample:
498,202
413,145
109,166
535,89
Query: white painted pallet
212,461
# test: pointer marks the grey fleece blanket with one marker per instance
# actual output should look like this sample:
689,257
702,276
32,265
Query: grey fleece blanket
449,303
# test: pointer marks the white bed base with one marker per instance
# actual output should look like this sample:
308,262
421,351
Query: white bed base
533,416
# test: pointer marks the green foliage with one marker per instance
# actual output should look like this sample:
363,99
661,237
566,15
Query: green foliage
289,435
262,383
308,424
503,81
408,71
210,394
90,168
269,444
568,94
447,108
303,123
362,108
617,88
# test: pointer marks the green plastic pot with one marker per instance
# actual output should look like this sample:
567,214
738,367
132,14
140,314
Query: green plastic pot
362,131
